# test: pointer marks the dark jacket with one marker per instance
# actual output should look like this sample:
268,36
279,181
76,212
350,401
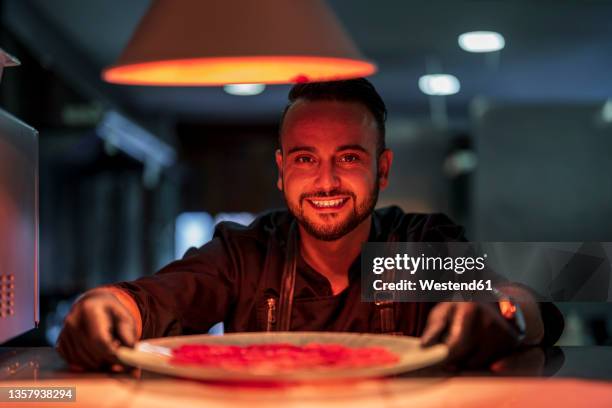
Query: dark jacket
232,278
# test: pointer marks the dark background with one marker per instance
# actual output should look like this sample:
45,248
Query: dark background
525,153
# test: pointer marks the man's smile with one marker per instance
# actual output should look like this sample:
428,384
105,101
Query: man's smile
334,203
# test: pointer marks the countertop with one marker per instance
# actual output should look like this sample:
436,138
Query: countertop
557,376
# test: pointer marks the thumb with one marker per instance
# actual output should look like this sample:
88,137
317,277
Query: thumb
124,326
437,323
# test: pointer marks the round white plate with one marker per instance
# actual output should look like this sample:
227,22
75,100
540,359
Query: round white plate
154,355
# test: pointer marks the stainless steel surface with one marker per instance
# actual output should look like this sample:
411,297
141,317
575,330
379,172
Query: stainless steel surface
18,227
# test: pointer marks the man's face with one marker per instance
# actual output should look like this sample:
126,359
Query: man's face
328,167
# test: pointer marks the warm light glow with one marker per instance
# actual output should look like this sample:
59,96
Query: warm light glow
439,84
507,309
244,89
481,41
238,70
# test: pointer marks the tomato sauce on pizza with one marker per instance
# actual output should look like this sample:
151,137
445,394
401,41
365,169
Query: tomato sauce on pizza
281,356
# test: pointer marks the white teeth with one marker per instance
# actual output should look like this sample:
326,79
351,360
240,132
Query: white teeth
327,203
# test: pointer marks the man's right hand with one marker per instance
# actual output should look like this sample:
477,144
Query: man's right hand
95,327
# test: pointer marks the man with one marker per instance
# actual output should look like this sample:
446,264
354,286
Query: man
299,269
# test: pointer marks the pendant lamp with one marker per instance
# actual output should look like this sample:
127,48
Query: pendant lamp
217,42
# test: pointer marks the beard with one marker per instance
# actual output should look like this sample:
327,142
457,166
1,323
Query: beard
331,226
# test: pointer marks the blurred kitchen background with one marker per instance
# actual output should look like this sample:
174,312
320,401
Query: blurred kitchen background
130,176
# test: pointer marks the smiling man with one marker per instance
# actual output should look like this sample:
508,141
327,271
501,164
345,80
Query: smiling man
332,164
299,269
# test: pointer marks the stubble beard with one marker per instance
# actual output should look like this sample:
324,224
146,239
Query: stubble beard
333,230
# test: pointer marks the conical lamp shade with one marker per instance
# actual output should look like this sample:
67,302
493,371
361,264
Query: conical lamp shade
217,42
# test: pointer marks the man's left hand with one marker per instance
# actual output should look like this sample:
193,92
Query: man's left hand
476,333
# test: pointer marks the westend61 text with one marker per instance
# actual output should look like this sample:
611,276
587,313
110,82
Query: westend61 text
432,285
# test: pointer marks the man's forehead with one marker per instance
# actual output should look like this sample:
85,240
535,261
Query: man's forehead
329,121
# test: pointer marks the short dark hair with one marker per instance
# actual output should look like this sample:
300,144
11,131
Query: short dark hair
358,90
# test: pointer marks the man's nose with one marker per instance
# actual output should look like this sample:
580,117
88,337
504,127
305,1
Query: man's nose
327,177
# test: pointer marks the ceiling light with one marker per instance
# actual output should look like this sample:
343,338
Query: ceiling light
244,89
439,84
218,42
481,41
134,140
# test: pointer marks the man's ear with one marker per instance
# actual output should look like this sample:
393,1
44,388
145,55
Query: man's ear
279,164
384,166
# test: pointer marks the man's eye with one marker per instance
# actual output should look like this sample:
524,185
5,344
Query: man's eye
349,158
303,159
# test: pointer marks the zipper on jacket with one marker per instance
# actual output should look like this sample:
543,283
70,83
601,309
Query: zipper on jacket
271,314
